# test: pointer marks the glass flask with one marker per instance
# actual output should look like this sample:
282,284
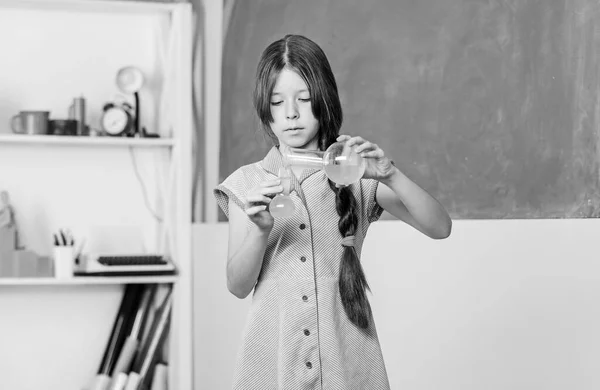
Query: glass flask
341,163
282,205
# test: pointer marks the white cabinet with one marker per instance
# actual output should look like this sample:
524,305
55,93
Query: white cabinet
53,332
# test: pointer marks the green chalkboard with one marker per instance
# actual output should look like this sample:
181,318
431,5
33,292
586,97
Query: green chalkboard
492,106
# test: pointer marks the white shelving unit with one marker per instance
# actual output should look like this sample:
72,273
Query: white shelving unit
175,126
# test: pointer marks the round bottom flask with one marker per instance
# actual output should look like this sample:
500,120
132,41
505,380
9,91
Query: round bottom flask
282,205
341,163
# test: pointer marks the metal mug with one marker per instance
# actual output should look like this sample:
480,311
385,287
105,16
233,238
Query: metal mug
30,122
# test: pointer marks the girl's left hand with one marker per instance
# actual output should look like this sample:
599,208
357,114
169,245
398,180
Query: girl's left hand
378,166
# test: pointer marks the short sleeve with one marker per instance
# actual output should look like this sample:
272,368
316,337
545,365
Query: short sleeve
371,209
232,188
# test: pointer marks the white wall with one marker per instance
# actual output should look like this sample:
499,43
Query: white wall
218,315
503,304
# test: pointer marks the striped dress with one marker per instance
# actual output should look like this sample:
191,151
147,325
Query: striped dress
297,334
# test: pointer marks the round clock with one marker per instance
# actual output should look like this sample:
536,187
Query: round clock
116,119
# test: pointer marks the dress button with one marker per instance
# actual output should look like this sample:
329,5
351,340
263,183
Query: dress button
306,332
309,364
304,298
302,226
303,259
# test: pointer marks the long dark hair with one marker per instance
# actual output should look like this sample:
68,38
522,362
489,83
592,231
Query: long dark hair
305,57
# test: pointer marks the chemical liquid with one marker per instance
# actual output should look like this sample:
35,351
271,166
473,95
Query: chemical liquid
282,206
344,174
342,164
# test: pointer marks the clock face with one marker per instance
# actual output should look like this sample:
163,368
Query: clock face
115,120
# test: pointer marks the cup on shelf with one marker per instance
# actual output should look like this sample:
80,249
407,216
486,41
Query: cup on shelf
30,122
64,261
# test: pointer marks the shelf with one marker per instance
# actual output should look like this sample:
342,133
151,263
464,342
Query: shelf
87,280
84,140
100,6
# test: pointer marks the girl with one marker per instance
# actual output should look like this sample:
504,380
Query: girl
310,325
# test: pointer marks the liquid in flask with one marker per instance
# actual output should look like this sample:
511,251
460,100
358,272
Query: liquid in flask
282,205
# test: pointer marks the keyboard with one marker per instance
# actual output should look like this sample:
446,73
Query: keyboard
125,264
131,260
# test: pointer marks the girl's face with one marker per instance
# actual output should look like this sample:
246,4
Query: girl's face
293,124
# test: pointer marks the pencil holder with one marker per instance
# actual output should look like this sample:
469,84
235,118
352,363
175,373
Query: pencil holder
64,261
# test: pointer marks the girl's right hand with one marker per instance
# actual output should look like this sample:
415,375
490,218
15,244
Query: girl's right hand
257,202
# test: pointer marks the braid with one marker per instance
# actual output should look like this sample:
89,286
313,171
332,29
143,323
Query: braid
352,283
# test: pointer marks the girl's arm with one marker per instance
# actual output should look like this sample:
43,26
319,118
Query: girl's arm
408,202
247,245
399,195
245,253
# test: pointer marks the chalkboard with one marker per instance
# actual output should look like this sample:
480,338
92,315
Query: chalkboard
491,106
